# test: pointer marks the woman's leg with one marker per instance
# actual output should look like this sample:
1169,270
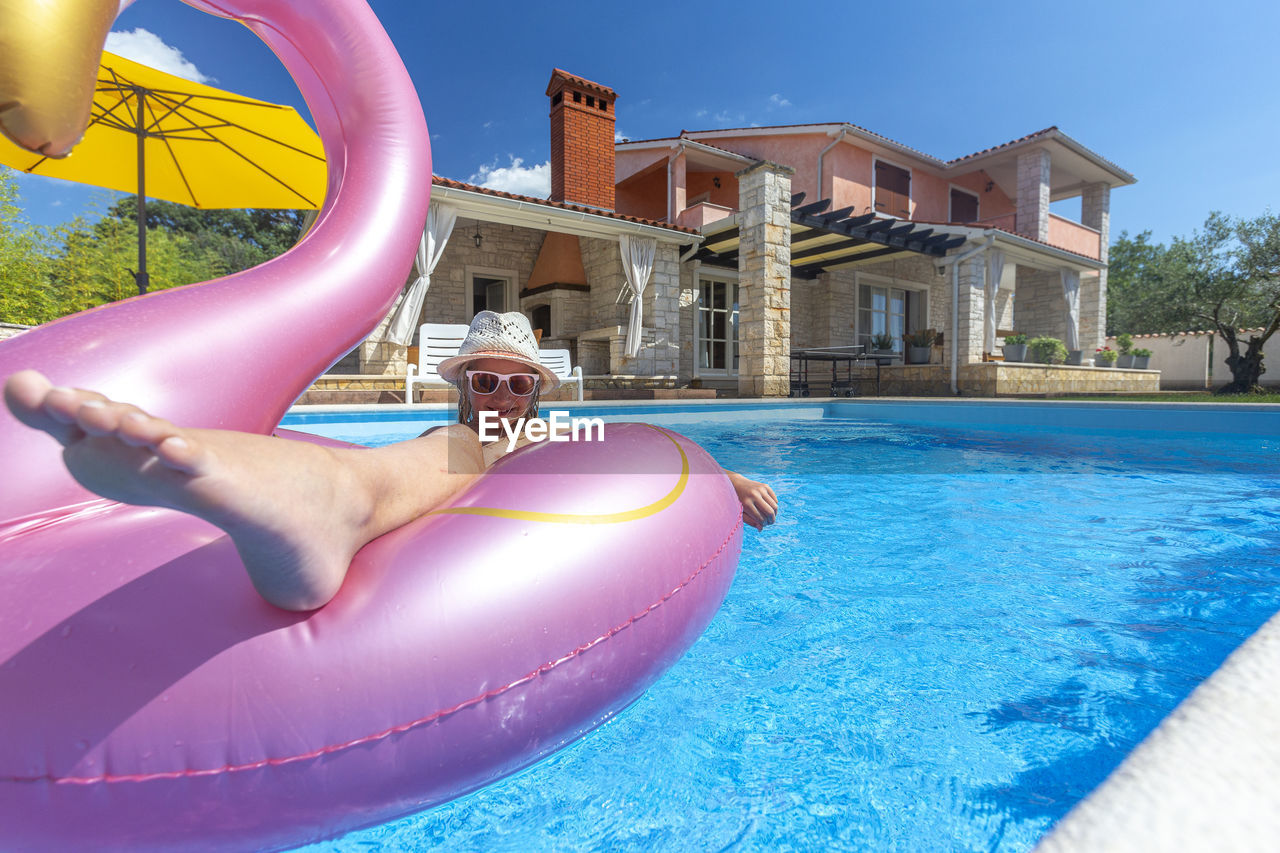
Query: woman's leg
297,512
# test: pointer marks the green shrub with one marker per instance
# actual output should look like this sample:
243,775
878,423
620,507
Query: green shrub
1125,343
922,338
1107,354
882,341
1014,340
1046,350
1142,353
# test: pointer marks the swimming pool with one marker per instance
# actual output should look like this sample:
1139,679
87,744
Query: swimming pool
963,620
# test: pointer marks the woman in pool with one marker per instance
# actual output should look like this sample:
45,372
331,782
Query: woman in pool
298,512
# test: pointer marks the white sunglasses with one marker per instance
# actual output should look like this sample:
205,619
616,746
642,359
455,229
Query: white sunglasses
488,382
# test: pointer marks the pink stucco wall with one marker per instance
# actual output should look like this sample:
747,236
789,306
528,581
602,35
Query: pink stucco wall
992,202
1074,237
628,163
848,171
644,194
702,214
704,182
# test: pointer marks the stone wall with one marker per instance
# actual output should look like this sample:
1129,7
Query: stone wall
808,299
503,249
1040,308
999,379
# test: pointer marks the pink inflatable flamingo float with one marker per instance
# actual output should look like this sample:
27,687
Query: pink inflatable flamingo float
150,699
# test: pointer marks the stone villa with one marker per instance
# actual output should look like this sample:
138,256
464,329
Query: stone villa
756,243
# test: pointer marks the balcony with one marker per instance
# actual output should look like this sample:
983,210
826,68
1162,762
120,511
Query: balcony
703,214
1063,233
1074,237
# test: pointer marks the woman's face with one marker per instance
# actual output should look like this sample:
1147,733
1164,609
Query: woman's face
506,405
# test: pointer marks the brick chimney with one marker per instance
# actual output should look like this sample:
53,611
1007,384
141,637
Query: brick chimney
582,119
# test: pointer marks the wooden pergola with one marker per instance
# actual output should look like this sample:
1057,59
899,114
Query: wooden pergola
822,241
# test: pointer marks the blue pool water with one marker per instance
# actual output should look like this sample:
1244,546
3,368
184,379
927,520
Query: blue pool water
950,636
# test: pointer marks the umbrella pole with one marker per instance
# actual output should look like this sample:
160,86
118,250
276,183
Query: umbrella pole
141,277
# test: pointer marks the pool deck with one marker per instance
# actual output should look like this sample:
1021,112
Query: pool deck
1208,777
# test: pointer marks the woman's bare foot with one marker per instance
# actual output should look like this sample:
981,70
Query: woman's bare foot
297,512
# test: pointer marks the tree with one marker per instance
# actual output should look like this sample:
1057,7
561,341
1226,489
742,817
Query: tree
1228,276
93,266
46,273
1140,274
242,238
24,293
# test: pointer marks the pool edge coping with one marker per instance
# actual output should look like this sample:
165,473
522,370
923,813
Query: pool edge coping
1204,778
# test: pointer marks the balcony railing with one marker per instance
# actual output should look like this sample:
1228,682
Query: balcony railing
703,213
1074,237
1063,233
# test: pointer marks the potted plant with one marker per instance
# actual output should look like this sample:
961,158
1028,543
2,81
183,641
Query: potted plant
882,344
1015,348
1104,357
1141,358
1125,344
1046,351
1075,356
920,345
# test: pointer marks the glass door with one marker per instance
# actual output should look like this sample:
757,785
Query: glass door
716,345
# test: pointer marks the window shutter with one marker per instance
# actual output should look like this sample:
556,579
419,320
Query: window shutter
893,190
964,207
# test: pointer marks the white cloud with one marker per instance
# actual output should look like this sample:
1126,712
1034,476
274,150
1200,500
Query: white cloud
726,116
487,125
700,114
516,178
148,48
779,101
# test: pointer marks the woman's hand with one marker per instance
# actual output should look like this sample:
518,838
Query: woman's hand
759,503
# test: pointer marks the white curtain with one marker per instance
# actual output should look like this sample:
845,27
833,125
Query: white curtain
637,264
440,221
995,269
1071,292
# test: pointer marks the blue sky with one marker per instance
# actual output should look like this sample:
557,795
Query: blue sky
1180,94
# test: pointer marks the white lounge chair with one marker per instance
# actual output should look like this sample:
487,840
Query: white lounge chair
557,361
436,342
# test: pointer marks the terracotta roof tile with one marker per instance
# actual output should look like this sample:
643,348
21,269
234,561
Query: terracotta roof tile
609,214
819,124
579,81
1008,144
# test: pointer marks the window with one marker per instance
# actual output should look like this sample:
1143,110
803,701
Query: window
884,309
488,294
893,190
964,206
716,328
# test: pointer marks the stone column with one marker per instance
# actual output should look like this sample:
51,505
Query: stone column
1095,212
971,310
1033,194
662,312
764,280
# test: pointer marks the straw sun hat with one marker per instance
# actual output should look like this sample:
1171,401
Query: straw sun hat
494,335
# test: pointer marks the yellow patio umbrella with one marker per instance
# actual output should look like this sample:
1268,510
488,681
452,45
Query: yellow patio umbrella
162,136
